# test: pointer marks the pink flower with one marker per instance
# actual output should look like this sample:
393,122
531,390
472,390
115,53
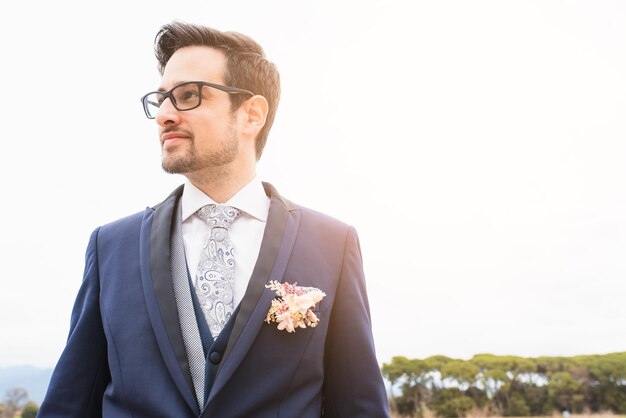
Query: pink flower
285,321
293,306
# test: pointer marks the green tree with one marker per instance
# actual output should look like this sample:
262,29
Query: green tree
30,410
536,398
493,378
460,371
549,365
516,406
413,374
394,372
451,402
609,375
14,400
564,392
510,385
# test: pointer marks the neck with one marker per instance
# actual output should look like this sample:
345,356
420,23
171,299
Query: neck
221,185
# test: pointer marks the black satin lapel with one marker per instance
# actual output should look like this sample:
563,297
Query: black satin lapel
270,245
163,286
276,245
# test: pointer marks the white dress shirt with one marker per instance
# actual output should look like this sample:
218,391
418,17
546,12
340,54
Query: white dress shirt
246,232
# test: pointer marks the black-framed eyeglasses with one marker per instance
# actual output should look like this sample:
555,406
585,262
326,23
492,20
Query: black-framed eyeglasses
184,96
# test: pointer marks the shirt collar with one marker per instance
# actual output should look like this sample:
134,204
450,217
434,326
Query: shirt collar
251,199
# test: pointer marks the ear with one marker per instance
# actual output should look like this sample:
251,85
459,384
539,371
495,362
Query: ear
256,109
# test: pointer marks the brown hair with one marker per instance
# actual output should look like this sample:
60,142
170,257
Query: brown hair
246,68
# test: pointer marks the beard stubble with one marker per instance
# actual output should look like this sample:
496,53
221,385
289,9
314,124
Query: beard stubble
192,160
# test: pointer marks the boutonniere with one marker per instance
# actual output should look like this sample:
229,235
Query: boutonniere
293,306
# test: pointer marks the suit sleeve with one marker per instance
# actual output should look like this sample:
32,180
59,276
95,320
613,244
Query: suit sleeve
81,374
353,385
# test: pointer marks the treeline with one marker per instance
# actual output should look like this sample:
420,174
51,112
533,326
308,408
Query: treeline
16,401
507,385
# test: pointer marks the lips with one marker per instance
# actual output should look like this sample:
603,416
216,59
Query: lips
170,138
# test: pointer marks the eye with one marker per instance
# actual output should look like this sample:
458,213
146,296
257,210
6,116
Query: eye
188,95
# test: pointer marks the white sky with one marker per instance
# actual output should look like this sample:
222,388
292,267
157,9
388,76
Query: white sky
478,148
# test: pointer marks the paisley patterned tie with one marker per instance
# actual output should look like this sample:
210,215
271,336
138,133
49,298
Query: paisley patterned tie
216,270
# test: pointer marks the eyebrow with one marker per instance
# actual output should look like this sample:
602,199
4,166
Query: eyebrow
162,89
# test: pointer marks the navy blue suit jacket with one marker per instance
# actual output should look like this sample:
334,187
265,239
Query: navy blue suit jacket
125,355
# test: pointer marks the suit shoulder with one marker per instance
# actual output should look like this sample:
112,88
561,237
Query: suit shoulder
322,222
308,215
127,223
318,216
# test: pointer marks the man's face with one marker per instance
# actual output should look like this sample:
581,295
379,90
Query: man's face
205,137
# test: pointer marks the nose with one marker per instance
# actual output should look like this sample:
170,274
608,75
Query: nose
167,114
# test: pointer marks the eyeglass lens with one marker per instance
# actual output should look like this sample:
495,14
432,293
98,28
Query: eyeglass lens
184,97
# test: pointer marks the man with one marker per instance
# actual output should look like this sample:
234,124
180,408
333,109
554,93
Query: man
181,313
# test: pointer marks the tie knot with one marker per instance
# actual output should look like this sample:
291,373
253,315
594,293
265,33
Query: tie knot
221,216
